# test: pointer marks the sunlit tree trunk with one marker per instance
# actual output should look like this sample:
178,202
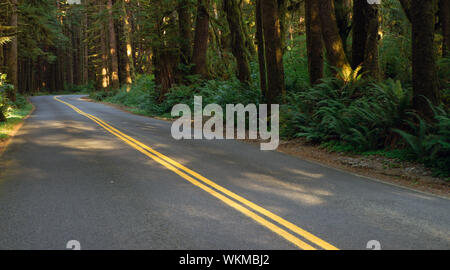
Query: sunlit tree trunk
334,47
104,71
129,64
343,10
314,41
113,48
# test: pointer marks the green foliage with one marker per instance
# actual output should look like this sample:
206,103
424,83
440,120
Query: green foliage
444,79
296,66
81,89
430,141
395,46
359,113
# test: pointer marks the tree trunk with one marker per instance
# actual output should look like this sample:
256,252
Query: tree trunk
2,117
199,57
335,49
273,51
343,19
104,71
444,14
359,33
113,48
425,82
129,64
371,66
314,41
261,50
234,18
185,28
13,54
366,21
282,8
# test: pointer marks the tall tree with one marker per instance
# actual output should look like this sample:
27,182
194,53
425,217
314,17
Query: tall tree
261,50
12,57
314,41
365,37
334,47
238,39
199,56
425,82
185,28
115,84
444,14
343,11
129,63
273,48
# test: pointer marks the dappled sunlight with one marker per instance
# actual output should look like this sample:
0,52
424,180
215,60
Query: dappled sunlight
304,173
73,126
272,185
74,143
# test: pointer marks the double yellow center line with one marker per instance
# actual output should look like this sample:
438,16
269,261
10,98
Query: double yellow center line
264,217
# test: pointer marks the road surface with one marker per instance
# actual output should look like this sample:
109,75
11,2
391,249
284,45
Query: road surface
109,179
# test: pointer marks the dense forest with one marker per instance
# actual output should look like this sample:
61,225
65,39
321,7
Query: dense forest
350,75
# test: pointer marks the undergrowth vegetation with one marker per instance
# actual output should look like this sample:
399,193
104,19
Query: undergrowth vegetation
11,112
357,116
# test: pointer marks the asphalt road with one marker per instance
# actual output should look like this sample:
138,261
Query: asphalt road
65,177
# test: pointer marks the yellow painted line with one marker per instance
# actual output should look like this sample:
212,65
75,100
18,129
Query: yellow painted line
175,166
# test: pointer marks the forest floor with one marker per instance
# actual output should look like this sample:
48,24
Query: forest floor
14,122
401,173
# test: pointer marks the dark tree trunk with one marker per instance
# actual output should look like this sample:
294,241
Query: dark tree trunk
261,50
199,57
359,32
444,14
371,65
234,18
185,28
314,41
425,82
273,51
366,38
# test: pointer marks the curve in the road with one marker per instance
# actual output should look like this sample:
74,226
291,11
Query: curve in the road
216,190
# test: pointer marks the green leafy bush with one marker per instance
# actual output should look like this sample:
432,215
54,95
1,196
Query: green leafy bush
430,141
358,113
